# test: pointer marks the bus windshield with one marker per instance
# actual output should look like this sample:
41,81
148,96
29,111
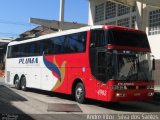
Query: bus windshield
133,67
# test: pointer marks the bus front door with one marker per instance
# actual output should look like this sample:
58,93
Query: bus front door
101,74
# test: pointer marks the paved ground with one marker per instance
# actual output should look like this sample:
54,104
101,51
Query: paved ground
34,104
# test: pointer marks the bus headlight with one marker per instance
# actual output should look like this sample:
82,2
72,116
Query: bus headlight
119,87
150,87
120,95
150,94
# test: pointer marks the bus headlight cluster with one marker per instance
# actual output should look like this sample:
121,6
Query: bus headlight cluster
151,94
150,87
119,87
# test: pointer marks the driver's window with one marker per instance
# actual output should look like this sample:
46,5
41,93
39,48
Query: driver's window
97,38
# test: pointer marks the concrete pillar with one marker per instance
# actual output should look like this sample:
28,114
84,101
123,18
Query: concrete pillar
61,12
91,15
144,18
141,15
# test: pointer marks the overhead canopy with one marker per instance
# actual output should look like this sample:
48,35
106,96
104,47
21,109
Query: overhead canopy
60,25
5,40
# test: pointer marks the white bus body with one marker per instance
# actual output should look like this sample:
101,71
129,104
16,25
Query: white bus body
33,68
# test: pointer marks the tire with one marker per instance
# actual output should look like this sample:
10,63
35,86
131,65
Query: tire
23,84
17,83
80,93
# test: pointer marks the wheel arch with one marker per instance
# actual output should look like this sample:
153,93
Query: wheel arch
16,75
76,81
22,77
23,84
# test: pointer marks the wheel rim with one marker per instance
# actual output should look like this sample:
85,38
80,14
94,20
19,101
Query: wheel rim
79,93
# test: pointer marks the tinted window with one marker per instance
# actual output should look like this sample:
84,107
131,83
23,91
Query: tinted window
15,51
128,38
57,45
22,50
47,46
40,47
98,38
9,54
76,42
27,49
37,49
119,37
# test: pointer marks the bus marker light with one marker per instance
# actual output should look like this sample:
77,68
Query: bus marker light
83,69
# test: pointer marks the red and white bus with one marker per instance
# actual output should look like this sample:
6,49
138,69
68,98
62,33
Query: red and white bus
107,63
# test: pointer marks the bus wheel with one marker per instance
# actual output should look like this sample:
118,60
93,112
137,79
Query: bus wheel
23,83
80,93
17,83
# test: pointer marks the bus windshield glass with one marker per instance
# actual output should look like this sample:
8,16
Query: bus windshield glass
133,67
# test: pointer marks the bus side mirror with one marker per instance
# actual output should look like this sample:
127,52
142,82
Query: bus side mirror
153,64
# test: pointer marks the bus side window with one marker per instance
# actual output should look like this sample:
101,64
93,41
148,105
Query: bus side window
15,51
58,45
9,54
97,38
76,42
40,48
27,48
32,49
81,41
36,50
21,51
93,39
47,46
72,43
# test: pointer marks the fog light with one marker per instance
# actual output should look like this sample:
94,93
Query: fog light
120,95
150,94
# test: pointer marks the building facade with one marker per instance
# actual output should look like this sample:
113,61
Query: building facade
135,14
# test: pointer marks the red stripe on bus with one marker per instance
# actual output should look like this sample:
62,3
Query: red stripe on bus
127,48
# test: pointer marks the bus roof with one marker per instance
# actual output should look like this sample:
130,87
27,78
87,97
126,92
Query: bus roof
87,28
